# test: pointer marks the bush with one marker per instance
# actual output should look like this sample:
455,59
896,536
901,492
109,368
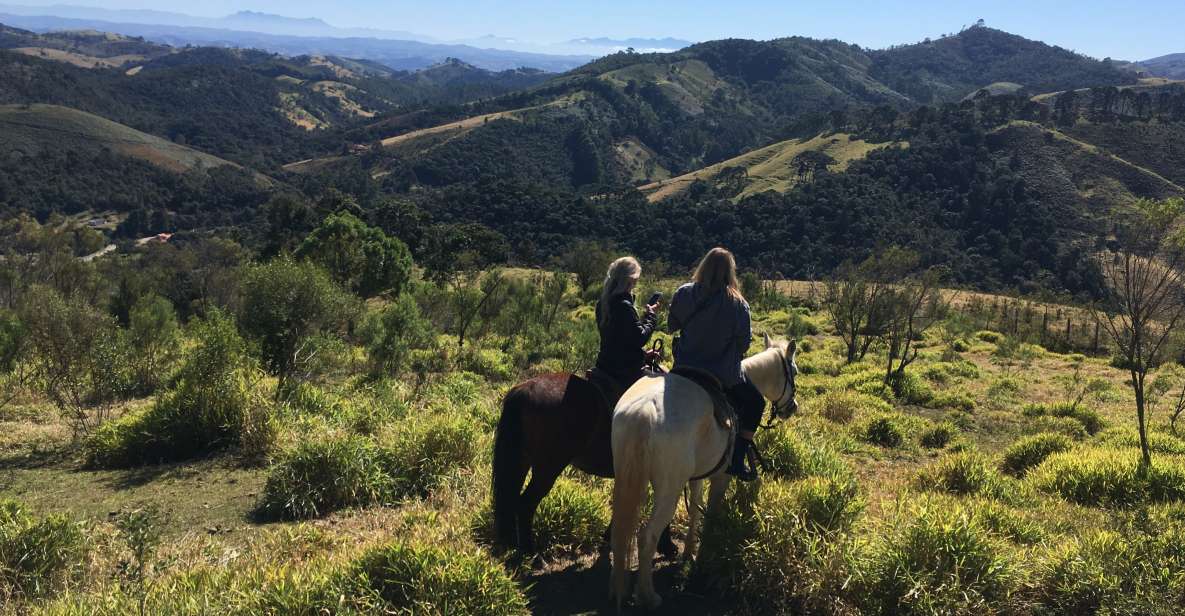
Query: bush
1030,451
37,556
938,435
1158,442
943,562
882,430
1090,419
946,372
571,517
420,453
358,256
791,456
391,336
843,406
989,336
960,401
322,475
415,579
1110,477
213,406
1134,570
909,388
962,473
154,337
780,547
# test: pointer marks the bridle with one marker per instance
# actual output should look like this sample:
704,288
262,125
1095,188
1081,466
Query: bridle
785,404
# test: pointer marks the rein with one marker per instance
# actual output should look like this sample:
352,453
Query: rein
779,406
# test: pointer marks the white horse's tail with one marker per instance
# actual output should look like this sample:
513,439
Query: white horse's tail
631,476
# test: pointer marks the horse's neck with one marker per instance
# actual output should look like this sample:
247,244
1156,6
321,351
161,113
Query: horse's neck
762,370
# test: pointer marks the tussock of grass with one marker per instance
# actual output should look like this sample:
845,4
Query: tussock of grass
1158,442
937,436
843,406
1031,451
884,430
964,473
37,555
1110,477
954,400
791,455
943,561
1090,419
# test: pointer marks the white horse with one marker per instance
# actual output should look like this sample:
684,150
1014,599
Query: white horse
665,434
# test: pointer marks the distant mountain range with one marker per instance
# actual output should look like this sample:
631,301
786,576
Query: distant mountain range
1171,66
398,49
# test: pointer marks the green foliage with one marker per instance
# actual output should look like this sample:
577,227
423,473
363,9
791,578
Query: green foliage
943,560
392,334
956,400
843,406
990,336
322,475
946,372
909,388
213,405
421,453
1090,419
963,473
792,455
37,555
358,257
1109,477
883,430
572,517
422,579
938,435
1030,451
154,336
286,305
12,336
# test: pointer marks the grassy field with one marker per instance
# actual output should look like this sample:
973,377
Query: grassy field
769,168
27,129
976,489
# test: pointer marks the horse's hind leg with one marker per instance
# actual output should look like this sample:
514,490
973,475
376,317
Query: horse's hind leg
666,499
543,477
694,506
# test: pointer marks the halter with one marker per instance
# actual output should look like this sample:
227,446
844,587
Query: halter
783,406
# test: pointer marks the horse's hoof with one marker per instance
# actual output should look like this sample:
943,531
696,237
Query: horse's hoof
650,601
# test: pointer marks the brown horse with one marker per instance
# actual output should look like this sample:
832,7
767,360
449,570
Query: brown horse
548,423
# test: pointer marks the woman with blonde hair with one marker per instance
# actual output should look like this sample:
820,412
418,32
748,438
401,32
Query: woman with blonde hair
623,334
714,321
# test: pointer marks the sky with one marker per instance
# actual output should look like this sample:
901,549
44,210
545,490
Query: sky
1134,31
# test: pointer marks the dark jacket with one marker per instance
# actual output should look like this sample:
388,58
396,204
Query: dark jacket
716,337
623,337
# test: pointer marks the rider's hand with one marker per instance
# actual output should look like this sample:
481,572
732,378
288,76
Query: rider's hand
652,308
653,355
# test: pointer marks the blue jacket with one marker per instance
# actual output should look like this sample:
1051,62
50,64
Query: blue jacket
716,337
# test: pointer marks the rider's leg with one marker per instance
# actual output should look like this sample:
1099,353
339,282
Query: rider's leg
749,405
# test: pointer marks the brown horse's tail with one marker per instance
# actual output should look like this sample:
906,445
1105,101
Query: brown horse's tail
509,467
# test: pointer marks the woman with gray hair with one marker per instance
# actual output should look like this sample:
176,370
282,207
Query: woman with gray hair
623,334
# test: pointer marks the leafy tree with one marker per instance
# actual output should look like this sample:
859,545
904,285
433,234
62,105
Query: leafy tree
358,256
914,304
395,332
1145,300
857,298
154,336
588,260
461,248
287,307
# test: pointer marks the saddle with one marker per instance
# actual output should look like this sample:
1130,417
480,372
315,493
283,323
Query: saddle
611,389
725,415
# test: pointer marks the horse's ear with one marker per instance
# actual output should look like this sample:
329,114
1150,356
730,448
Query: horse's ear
769,343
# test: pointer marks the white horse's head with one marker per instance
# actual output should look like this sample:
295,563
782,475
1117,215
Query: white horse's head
777,370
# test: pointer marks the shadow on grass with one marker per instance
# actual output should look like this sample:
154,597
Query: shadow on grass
582,587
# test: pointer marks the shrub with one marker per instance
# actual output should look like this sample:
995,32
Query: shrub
321,475
571,517
960,401
938,435
211,407
416,579
962,473
944,561
36,555
909,388
1132,571
780,547
1090,419
358,256
1158,442
946,372
154,335
420,453
820,362
790,456
1003,391
989,336
882,430
1030,451
800,326
843,406
391,335
1109,477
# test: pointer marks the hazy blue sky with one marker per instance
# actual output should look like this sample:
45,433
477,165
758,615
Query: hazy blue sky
1136,30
